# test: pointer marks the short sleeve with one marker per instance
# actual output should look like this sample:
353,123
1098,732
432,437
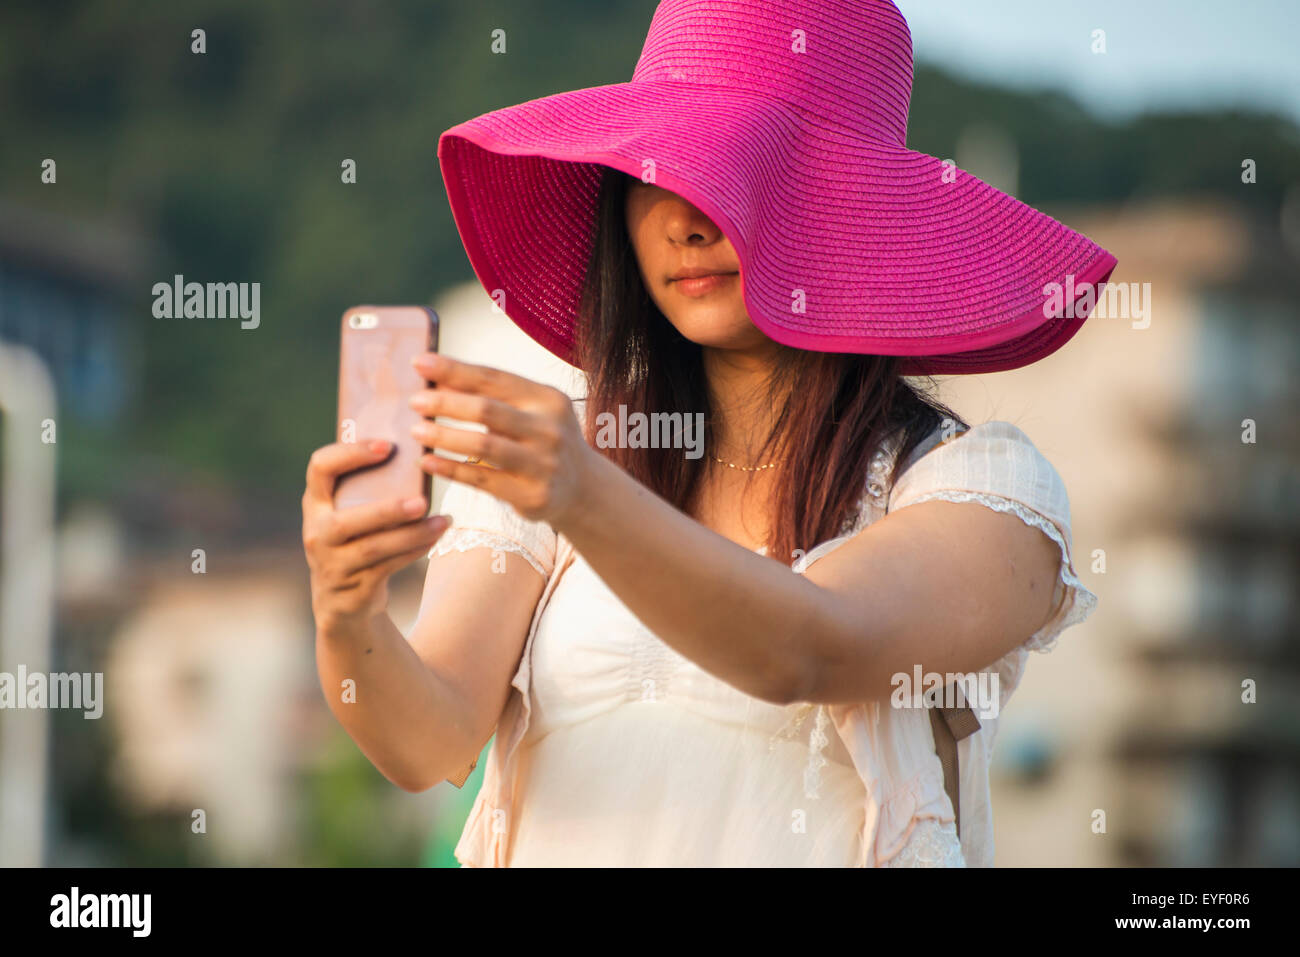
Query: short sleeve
481,520
997,465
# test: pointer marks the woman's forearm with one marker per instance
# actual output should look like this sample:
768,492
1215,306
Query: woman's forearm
398,711
740,616
744,618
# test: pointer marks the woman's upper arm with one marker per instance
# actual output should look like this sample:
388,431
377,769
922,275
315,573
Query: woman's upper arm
474,618
951,587
971,562
484,579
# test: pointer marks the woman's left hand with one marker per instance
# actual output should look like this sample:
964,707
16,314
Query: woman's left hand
533,454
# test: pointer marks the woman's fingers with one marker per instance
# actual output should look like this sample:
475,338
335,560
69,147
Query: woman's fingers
379,547
328,462
519,492
498,416
349,523
480,380
533,446
397,562
503,453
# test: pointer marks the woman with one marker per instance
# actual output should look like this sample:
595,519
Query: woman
624,617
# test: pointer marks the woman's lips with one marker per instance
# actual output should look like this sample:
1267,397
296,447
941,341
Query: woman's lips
703,285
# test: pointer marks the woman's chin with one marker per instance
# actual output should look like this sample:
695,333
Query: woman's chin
720,332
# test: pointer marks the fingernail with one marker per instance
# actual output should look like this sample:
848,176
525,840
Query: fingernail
413,506
378,445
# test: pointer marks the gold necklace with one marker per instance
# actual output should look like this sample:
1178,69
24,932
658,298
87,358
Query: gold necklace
745,468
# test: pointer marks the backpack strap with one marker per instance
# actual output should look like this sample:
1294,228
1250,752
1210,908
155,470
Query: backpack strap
948,725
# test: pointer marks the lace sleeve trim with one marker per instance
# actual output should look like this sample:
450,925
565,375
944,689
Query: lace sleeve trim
933,844
1084,600
461,539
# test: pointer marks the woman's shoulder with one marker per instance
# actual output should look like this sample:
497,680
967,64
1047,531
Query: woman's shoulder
997,465
993,431
994,458
998,439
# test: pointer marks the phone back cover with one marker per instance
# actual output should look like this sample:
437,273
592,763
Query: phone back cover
376,380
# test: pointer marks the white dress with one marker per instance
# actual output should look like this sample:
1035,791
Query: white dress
631,755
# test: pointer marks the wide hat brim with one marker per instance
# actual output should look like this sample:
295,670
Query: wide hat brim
845,243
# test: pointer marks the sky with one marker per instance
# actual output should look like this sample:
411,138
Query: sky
1159,53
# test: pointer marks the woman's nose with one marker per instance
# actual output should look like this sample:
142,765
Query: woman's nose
687,226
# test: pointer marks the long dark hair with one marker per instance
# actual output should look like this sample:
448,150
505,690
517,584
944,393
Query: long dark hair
843,408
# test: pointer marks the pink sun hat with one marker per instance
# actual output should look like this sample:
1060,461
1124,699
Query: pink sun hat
785,124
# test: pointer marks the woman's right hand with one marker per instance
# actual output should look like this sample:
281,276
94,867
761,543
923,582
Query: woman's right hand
352,552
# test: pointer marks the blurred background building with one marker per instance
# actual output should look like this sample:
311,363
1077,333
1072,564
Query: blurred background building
1188,535
185,441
